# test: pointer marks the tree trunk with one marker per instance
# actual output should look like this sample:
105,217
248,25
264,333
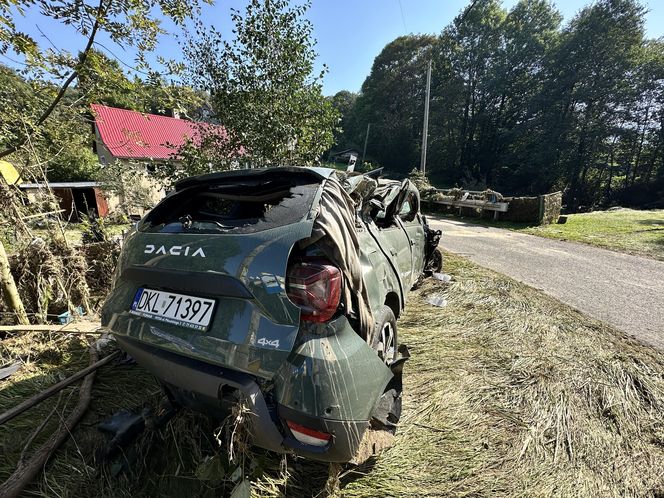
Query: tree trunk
610,161
464,131
580,165
639,150
9,290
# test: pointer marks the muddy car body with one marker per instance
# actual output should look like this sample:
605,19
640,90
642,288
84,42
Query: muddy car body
296,277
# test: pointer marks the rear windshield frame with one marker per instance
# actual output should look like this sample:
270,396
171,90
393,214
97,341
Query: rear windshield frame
290,199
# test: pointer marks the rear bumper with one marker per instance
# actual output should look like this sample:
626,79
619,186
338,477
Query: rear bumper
205,386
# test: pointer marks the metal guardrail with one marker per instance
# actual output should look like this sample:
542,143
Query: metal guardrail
472,199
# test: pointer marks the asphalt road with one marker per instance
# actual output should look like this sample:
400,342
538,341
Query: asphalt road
622,290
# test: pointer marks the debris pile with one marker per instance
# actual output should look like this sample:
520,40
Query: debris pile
101,258
50,278
420,180
50,275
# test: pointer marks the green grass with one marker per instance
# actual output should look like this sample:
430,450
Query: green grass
508,393
74,231
625,230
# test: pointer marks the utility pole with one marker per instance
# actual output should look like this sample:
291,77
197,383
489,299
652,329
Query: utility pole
366,139
425,128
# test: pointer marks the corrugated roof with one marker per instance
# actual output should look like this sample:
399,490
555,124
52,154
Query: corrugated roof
61,185
136,135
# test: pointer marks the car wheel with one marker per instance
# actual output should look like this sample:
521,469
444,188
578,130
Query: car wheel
387,412
384,340
435,263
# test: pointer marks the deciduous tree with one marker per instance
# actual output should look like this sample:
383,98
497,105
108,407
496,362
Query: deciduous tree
134,24
263,87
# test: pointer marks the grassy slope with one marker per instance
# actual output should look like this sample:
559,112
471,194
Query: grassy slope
626,230
508,393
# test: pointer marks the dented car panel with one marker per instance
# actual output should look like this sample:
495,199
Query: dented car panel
332,376
230,290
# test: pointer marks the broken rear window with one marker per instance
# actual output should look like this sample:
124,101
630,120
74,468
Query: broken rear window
237,205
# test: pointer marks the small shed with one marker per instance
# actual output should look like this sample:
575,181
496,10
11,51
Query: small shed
74,198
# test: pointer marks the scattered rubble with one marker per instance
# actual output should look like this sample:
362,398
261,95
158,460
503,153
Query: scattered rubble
437,300
443,277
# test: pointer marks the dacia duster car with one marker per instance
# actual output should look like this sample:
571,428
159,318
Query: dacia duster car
280,287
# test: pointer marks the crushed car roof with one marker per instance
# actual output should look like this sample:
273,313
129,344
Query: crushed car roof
317,173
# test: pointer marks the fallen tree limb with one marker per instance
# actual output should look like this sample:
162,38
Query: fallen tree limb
40,428
46,393
41,215
26,471
80,328
8,289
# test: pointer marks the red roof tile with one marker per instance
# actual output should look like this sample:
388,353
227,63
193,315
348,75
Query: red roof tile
136,135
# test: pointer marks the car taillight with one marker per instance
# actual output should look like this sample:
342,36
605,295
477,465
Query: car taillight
308,436
316,288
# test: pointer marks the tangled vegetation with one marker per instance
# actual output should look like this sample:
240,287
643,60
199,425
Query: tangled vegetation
507,393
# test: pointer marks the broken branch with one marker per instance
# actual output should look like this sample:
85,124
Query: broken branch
26,471
46,393
70,328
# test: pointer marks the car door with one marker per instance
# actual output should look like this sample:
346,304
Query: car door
411,223
398,245
393,238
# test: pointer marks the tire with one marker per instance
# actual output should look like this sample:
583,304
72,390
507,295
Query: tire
384,339
387,412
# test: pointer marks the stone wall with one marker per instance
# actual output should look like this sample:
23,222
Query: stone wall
522,210
550,207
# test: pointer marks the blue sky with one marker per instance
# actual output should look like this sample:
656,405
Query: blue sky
350,33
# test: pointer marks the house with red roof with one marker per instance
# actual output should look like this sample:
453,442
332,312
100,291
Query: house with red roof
142,141
138,137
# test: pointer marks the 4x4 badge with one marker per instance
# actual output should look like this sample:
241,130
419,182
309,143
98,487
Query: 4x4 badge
174,251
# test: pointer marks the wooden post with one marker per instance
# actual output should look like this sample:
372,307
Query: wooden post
9,290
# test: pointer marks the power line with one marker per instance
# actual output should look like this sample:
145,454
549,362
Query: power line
468,9
403,19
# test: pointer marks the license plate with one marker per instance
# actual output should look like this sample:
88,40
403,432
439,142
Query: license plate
178,309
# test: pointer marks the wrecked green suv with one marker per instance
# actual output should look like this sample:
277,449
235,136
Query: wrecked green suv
279,288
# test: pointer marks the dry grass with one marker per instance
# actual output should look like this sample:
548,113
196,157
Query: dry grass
511,393
507,393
